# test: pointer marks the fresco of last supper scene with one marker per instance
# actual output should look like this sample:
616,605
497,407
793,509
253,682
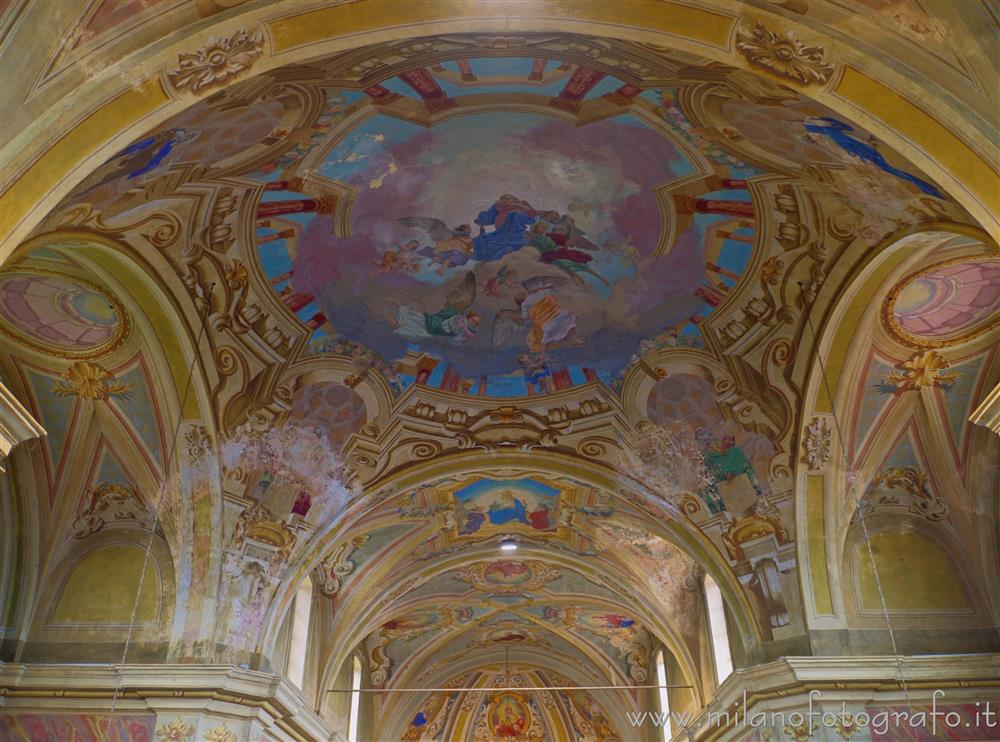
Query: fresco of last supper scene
499,371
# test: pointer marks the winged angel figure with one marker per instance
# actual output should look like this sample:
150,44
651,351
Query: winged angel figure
549,324
457,321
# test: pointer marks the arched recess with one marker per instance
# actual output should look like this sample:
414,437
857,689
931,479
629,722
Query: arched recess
924,576
862,89
853,342
524,668
165,336
104,588
662,521
371,387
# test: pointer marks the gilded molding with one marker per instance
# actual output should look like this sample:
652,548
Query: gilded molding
988,413
118,337
888,313
16,424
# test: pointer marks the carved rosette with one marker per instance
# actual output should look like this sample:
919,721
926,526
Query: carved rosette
217,61
197,442
817,444
783,55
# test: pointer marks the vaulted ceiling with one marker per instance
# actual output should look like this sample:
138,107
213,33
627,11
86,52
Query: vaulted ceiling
363,314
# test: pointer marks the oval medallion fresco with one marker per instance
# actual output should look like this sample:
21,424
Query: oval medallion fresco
946,303
60,315
507,573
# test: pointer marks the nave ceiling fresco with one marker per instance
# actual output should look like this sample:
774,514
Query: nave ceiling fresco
362,317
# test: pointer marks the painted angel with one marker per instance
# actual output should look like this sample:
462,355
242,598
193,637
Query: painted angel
452,247
538,308
457,321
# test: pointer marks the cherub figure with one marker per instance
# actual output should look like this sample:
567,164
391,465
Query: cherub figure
506,277
399,260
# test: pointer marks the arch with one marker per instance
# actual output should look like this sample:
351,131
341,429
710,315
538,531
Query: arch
914,574
88,614
864,91
835,338
101,587
924,571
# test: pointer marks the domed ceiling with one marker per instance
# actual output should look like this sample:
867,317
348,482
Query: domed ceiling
502,224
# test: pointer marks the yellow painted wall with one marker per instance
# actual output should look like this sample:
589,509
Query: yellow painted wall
915,573
102,588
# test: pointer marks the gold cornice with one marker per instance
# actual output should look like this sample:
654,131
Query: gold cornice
297,29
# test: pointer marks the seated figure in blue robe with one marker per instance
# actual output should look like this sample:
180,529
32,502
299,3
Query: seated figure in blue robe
838,132
506,509
511,218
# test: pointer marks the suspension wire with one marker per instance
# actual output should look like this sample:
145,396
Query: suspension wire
156,510
859,510
508,687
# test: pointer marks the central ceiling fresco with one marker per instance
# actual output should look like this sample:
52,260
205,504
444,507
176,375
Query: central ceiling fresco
508,246
509,225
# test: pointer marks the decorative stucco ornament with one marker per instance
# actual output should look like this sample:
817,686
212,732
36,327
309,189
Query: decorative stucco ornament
784,55
818,443
175,731
923,369
89,381
217,61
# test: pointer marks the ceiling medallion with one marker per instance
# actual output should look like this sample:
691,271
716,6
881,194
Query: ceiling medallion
945,304
508,576
784,55
60,315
